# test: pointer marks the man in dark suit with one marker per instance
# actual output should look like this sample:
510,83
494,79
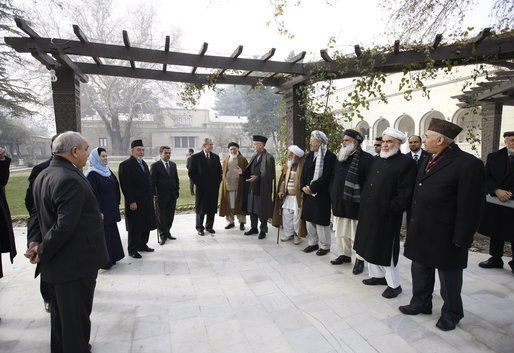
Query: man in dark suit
498,219
205,171
416,152
72,247
165,187
445,213
188,164
33,231
139,210
7,243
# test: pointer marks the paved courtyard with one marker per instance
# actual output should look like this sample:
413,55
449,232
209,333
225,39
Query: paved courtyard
231,293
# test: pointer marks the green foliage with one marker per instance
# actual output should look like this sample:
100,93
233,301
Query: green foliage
13,92
327,123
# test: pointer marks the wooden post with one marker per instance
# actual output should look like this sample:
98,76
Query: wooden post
491,126
295,124
66,95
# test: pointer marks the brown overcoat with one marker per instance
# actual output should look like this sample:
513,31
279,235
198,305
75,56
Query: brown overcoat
224,210
284,177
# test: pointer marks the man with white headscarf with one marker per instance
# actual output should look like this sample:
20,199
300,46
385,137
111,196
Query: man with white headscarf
350,173
315,181
289,197
386,195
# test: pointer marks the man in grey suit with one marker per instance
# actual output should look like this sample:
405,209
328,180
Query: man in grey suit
72,245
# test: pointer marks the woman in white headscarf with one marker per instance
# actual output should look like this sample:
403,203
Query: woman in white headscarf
107,191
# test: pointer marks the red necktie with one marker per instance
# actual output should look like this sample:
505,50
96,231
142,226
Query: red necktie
208,158
167,168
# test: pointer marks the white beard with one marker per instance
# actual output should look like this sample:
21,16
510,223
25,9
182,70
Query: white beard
511,151
139,159
345,152
290,163
386,155
233,156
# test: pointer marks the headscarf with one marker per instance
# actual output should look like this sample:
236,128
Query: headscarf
96,165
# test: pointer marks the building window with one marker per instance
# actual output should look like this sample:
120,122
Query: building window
184,142
182,120
102,142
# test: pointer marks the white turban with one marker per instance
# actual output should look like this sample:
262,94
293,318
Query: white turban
320,136
296,150
397,134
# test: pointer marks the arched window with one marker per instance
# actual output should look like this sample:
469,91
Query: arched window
379,126
425,121
405,124
470,120
363,127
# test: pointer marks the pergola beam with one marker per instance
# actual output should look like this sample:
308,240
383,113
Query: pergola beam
201,53
126,41
166,50
264,58
149,74
83,38
234,56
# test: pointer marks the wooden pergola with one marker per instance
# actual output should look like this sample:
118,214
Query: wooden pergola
285,76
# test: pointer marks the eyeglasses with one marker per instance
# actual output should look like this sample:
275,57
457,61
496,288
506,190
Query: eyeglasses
377,145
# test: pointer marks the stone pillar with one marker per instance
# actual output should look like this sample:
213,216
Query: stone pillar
66,94
491,126
295,125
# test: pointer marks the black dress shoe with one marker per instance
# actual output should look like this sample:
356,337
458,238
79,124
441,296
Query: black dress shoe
211,231
409,310
322,252
341,260
146,249
358,267
492,262
262,235
390,293
252,231
135,255
230,226
311,248
200,232
162,241
241,226
171,237
374,281
445,324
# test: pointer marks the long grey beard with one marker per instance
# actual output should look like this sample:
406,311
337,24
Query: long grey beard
233,156
386,155
290,163
345,152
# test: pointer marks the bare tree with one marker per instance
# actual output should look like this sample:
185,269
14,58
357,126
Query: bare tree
416,20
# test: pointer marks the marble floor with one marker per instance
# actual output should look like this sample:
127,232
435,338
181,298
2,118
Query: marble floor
233,293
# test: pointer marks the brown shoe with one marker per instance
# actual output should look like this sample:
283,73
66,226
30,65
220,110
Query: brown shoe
322,252
311,248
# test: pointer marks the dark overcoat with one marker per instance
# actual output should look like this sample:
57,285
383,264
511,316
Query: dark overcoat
225,210
207,178
107,192
498,221
264,186
316,209
136,187
446,209
344,208
7,244
387,193
165,186
73,243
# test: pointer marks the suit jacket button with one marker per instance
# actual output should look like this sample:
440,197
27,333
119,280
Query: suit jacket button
420,184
